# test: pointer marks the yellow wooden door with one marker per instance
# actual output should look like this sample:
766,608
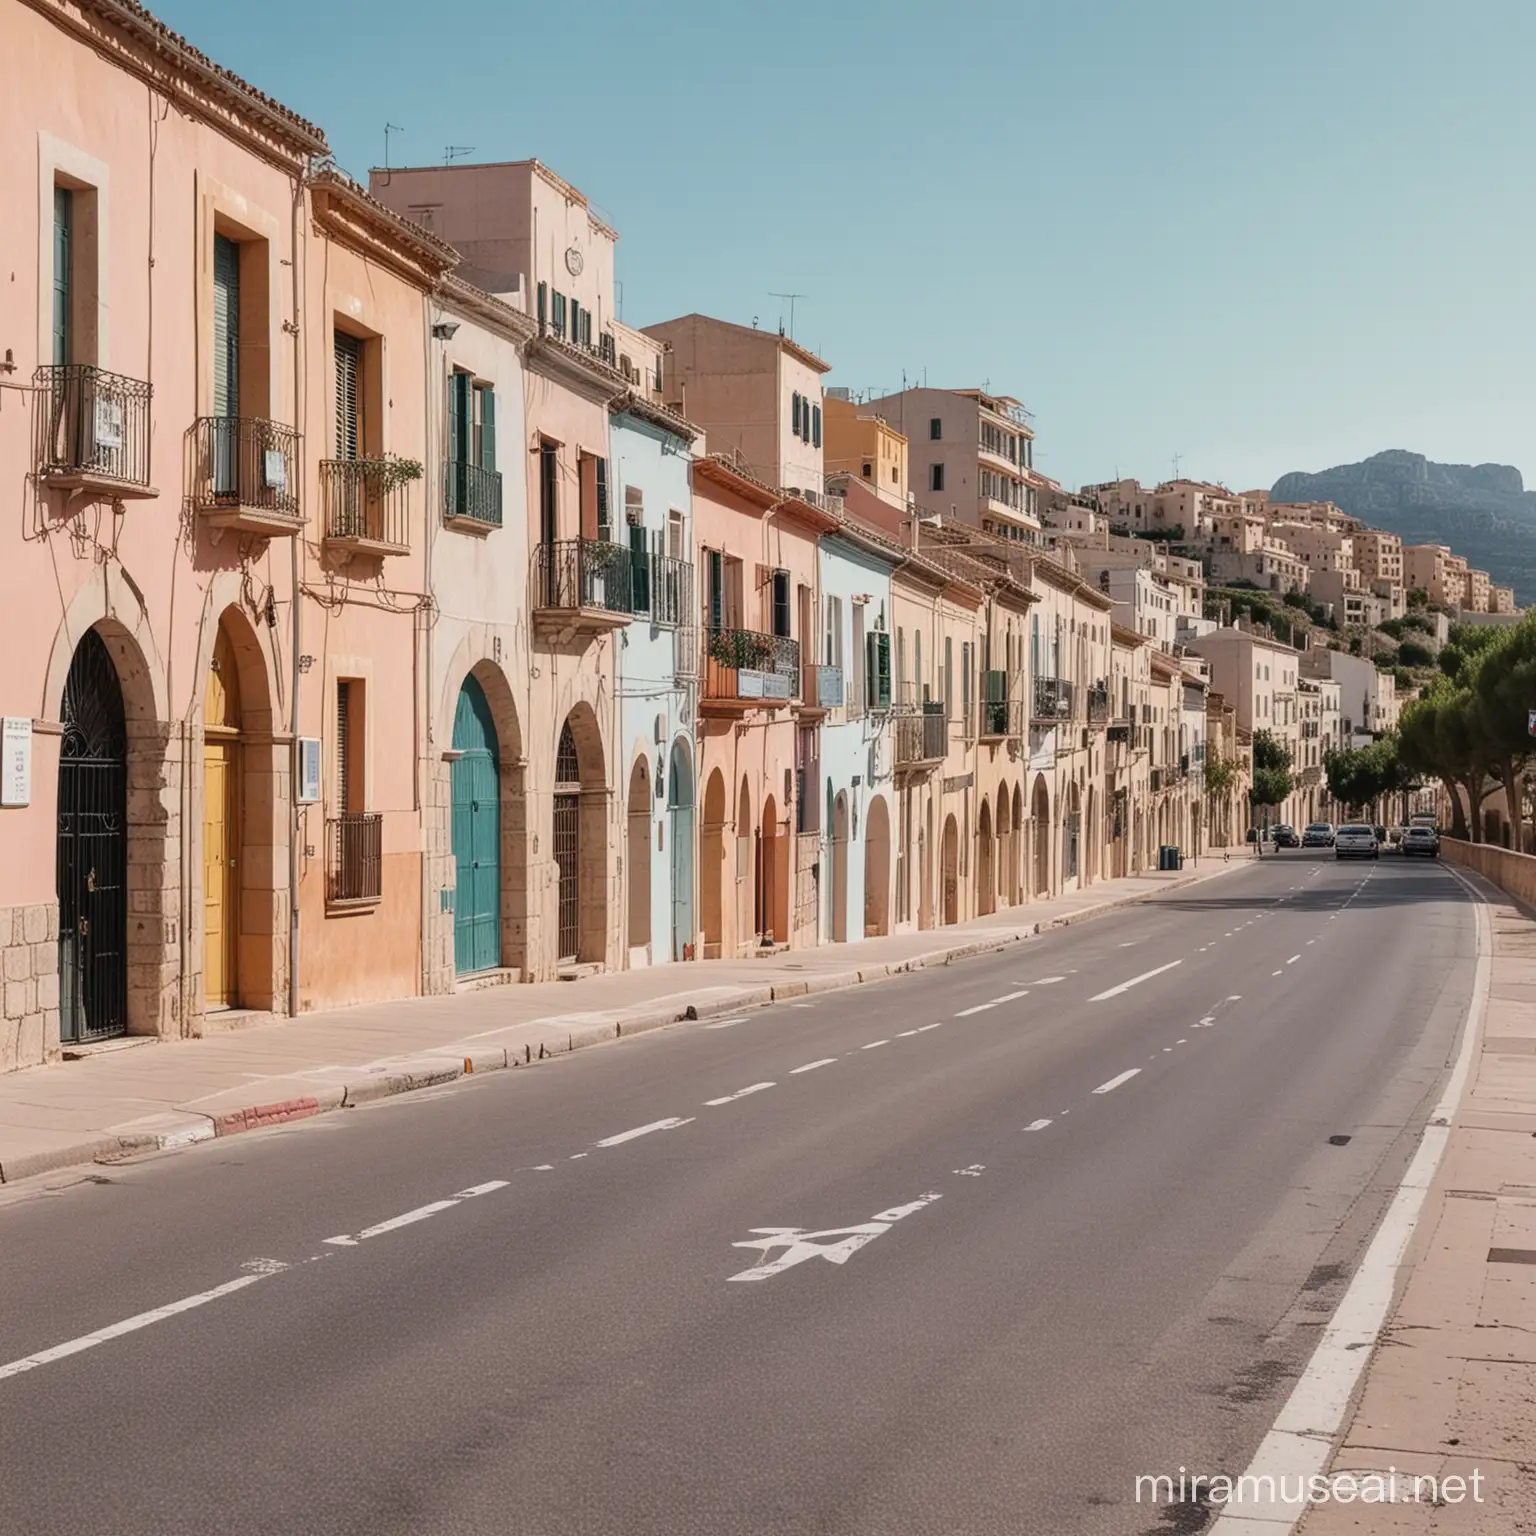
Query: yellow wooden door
221,874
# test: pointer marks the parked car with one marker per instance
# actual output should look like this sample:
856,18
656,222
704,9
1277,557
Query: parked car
1395,838
1318,835
1285,837
1356,840
1421,840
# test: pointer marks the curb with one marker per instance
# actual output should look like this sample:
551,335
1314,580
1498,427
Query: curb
182,1128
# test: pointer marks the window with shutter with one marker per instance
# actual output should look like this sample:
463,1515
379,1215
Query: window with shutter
882,669
63,273
781,604
603,530
486,398
816,426
575,320
543,306
794,414
344,746
349,404
715,565
640,570
226,327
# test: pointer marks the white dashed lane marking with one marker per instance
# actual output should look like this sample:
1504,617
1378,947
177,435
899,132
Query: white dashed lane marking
872,1044
1135,981
810,1066
1037,1125
1115,1082
740,1093
669,1124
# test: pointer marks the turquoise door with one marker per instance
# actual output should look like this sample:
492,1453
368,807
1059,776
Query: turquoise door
476,834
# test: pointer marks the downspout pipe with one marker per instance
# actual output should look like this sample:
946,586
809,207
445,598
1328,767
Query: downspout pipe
296,627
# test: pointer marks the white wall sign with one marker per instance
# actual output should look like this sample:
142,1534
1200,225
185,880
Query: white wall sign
16,760
309,770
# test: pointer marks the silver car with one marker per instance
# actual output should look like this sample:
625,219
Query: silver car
1355,840
1421,840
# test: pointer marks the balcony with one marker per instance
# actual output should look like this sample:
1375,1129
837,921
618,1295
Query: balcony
662,586
921,739
92,432
822,687
354,859
1098,706
247,475
582,586
365,506
1001,718
746,670
1052,700
471,497
1119,730
1157,779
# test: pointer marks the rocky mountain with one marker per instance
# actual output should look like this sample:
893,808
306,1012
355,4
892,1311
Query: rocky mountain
1483,511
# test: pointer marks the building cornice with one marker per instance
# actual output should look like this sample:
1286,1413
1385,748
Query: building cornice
348,214
577,369
485,309
633,403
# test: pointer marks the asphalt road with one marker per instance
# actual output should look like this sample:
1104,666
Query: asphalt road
1059,1226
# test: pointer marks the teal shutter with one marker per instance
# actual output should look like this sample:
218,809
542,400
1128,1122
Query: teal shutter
816,426
488,429
882,669
716,588
640,571
602,499
226,327
543,306
794,414
459,400
63,271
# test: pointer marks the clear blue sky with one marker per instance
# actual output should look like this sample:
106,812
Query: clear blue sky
1266,237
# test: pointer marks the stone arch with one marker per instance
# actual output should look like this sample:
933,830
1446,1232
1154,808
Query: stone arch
1093,842
1004,881
1071,833
746,868
1040,834
114,606
1016,857
712,845
637,859
771,896
682,813
986,891
877,869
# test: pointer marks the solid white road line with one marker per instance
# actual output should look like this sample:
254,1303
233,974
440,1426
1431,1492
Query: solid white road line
873,1043
1047,981
1275,973
1011,997
901,1034
810,1066
670,1124
128,1325
1037,1125
923,1029
1303,1435
740,1093
965,1013
1124,1077
1135,981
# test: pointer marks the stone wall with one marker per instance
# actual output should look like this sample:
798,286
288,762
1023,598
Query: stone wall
1512,872
29,992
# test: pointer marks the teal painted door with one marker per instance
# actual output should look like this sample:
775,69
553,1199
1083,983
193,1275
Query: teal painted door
476,834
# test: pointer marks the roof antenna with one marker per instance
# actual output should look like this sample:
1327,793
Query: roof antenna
389,128
454,152
1178,459
791,297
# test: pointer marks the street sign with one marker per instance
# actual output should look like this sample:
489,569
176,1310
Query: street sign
16,760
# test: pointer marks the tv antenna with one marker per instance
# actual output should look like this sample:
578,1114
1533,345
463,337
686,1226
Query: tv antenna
454,152
791,297
389,128
1178,459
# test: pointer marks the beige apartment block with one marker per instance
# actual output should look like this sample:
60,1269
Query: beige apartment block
1322,515
1501,600
972,456
1379,556
1434,569
1226,811
1478,590
757,396
863,445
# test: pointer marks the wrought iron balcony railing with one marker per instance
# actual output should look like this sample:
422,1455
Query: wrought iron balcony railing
1052,699
355,870
742,665
365,505
471,495
590,576
92,428
1098,706
921,737
247,474
1001,717
662,586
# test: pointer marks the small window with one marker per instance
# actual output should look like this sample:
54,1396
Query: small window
634,506
557,314
815,426
781,604
794,414
935,429
935,477
868,471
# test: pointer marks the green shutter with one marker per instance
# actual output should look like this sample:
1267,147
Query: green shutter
543,306
640,571
794,414
716,588
348,388
488,429
882,670
226,327
459,418
602,498
63,271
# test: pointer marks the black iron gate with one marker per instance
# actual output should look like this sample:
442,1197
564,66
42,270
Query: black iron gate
93,849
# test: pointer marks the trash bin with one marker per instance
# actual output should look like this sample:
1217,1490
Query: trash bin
1169,857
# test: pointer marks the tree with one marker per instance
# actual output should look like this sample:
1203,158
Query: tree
1436,737
1271,769
1220,775
1411,654
1358,777
1503,686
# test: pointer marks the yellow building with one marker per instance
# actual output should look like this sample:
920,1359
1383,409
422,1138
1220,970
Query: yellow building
865,446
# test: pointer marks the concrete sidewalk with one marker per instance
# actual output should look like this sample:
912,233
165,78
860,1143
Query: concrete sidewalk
134,1095
1451,1388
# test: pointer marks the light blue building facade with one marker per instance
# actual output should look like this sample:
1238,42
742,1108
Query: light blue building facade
649,491
857,787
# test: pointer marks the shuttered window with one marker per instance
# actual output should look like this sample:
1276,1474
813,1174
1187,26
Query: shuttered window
794,414
781,603
349,396
459,422
716,568
603,530
485,448
878,673
63,271
226,327
344,746
815,426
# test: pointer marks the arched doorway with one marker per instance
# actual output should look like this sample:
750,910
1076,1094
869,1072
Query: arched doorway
92,849
1093,838
1040,831
680,829
747,875
840,868
1071,835
712,867
1004,848
637,858
475,784
925,869
770,905
877,869
223,826
951,871
986,893
1016,855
